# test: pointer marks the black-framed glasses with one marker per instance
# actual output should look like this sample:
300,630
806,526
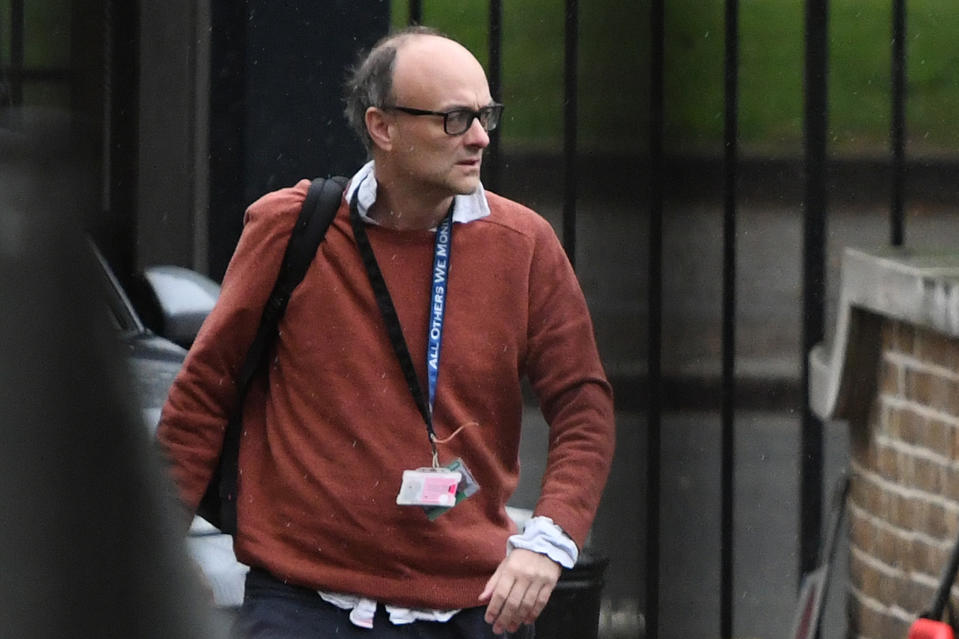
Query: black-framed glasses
458,121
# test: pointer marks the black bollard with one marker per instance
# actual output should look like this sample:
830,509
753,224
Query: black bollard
573,608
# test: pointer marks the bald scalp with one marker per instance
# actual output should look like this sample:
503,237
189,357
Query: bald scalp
371,83
426,62
432,48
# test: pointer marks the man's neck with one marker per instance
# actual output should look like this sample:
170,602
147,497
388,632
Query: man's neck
398,220
407,211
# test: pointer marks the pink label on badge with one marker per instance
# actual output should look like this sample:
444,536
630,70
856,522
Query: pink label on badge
439,490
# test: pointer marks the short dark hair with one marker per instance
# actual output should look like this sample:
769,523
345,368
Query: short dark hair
370,81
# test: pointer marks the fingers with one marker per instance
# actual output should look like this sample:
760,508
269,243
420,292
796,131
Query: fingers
490,586
538,602
526,607
519,590
521,604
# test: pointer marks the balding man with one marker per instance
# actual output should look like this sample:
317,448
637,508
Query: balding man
381,448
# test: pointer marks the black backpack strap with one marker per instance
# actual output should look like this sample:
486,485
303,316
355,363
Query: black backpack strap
319,208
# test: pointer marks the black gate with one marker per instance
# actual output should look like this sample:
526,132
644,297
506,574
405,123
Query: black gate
15,75
813,300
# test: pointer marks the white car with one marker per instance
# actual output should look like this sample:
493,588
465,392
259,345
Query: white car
174,301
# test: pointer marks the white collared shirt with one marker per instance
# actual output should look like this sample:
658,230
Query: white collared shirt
466,208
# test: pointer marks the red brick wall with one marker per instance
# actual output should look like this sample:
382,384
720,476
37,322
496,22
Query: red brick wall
904,498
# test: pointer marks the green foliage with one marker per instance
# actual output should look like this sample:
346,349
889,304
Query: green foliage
46,39
860,81
771,75
614,51
772,50
612,73
693,75
933,81
614,47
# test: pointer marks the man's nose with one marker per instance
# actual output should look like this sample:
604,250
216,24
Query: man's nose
476,135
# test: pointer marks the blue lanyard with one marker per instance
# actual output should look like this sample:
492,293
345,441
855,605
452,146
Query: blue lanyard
441,269
439,288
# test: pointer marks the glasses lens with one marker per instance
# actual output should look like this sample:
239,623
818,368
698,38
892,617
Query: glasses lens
458,121
489,116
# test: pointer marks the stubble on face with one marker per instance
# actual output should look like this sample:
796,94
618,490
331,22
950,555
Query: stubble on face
438,74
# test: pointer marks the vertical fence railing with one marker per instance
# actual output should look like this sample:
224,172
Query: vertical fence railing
813,277
898,132
728,402
16,52
4,84
495,84
813,267
655,310
571,86
416,12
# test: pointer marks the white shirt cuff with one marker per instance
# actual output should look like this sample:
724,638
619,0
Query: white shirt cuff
543,536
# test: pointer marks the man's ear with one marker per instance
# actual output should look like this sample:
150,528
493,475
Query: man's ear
379,127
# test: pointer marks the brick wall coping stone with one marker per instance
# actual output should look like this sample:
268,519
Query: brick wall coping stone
919,287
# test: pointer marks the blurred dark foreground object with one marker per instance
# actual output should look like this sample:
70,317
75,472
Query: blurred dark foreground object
86,548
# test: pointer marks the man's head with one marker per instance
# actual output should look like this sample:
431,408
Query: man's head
396,101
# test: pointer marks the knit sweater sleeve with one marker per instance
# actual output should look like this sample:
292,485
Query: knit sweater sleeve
575,397
204,393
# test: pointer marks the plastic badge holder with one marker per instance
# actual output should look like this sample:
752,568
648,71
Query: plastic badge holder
427,487
930,629
467,488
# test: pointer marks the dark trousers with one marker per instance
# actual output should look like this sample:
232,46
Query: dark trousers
275,610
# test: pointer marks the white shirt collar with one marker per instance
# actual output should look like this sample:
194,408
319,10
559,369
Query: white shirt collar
467,208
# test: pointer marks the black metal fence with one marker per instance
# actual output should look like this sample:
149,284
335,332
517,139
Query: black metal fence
14,75
813,268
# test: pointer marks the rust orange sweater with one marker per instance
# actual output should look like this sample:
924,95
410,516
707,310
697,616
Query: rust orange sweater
329,432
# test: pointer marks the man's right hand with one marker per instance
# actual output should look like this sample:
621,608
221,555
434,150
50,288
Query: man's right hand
519,589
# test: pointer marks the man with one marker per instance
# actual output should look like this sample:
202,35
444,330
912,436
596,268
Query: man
362,413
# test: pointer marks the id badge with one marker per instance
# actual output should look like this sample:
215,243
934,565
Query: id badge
468,486
428,487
